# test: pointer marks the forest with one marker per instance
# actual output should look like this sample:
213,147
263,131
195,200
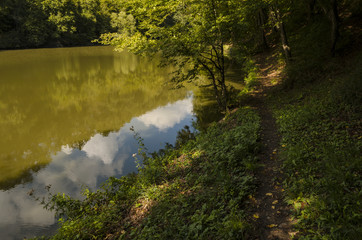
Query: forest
300,66
46,23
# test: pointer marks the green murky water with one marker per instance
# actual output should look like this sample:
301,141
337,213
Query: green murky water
65,116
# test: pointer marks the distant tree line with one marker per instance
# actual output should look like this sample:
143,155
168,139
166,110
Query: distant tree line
54,23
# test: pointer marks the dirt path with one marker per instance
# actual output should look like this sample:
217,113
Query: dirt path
271,214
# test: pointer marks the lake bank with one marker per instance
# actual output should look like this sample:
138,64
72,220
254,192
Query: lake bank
65,119
198,190
191,192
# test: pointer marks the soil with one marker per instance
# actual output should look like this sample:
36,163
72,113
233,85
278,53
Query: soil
270,213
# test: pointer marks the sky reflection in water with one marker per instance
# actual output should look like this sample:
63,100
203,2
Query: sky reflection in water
99,158
65,116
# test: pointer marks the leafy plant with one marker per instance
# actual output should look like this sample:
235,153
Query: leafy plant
195,191
322,158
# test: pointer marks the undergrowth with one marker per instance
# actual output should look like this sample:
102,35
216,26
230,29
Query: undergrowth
195,191
321,141
250,81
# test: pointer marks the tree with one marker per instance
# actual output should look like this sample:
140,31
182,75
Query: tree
331,11
277,14
190,35
254,24
22,24
5,24
62,15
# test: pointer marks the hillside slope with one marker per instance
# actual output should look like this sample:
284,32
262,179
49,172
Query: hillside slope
319,156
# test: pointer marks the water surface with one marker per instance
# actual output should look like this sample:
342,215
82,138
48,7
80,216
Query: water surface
65,116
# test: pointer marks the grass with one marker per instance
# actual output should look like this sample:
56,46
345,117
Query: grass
196,191
321,133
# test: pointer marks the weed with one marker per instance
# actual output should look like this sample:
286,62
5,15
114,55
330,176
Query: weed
322,158
194,191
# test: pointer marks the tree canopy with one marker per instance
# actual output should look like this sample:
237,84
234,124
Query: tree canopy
42,23
196,36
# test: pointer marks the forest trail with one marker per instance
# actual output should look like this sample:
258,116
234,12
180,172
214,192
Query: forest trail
271,215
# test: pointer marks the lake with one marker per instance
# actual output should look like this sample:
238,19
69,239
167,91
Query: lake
65,119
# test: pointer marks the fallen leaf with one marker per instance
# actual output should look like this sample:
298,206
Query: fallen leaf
273,207
272,225
256,215
275,202
269,194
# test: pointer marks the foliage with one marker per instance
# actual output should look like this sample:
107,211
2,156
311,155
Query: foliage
196,191
315,37
321,129
251,79
190,35
193,35
22,23
37,23
99,213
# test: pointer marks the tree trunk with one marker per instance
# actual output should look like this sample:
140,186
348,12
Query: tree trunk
285,43
333,15
283,35
261,23
225,92
214,83
311,5
331,11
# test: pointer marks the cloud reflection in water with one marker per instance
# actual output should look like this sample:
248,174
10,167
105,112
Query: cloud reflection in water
100,158
168,116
